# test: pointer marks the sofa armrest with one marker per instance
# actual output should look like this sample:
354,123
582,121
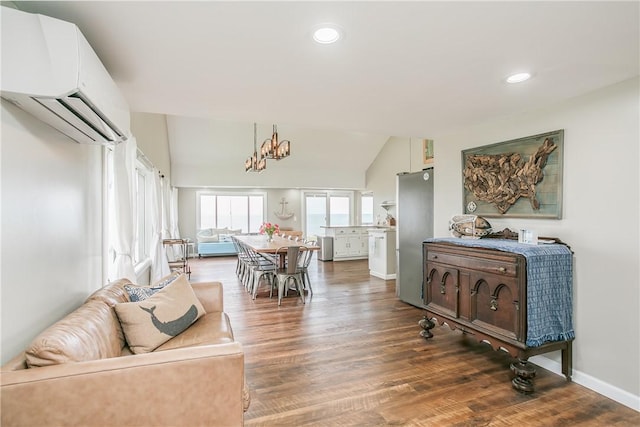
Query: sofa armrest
210,295
180,387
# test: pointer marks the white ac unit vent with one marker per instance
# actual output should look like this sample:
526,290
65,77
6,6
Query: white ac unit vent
50,70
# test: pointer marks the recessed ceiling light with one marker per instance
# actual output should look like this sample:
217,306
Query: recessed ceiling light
327,34
518,78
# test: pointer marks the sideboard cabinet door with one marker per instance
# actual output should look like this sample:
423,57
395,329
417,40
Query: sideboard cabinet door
495,305
442,289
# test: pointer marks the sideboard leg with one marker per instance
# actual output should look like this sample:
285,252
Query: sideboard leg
426,324
567,361
525,372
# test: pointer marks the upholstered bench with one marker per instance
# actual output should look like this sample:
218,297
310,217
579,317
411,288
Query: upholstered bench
224,247
216,242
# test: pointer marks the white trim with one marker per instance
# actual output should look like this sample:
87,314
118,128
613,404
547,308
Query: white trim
612,392
144,160
382,276
140,268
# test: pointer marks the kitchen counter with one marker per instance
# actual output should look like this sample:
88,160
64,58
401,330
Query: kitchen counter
349,241
382,252
388,227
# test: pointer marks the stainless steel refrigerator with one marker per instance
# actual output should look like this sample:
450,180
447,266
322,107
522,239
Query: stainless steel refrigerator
414,211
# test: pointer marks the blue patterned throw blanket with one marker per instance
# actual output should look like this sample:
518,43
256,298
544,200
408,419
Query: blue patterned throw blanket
549,286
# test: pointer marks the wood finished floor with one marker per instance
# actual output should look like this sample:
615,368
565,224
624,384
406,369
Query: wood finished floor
352,356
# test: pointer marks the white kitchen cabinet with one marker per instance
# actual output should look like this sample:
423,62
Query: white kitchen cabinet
348,242
382,253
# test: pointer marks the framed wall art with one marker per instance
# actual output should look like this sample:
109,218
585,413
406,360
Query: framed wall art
427,151
521,178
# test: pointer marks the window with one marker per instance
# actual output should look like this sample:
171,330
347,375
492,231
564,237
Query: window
326,208
339,210
315,214
234,211
142,186
142,212
366,212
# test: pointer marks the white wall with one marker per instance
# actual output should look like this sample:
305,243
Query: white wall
150,131
319,158
396,156
599,222
51,226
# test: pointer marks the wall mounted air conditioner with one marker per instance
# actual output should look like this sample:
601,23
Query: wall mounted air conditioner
50,70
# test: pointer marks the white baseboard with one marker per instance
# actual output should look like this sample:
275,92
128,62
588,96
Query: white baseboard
382,276
621,396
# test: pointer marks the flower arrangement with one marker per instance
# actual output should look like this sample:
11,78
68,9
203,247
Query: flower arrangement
269,229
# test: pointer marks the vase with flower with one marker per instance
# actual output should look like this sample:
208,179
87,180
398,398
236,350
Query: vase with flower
269,229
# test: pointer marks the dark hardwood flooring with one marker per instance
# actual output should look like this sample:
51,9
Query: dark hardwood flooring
352,356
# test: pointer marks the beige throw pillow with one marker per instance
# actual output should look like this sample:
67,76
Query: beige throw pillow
148,324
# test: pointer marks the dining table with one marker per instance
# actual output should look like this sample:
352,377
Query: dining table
261,244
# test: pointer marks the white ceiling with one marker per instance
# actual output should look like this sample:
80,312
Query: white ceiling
402,69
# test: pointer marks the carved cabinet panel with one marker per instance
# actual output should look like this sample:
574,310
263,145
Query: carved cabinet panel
495,304
442,288
481,289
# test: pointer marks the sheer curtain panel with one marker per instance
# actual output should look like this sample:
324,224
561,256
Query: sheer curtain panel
124,155
159,264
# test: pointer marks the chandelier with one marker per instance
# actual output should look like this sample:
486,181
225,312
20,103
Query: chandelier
272,149
253,163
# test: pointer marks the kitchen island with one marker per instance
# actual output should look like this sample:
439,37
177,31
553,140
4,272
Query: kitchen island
350,241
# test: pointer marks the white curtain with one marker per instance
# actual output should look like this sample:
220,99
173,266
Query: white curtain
173,221
159,264
166,209
124,156
166,217
175,231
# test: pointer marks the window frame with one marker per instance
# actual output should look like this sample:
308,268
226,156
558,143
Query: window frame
142,214
140,250
247,194
327,194
368,195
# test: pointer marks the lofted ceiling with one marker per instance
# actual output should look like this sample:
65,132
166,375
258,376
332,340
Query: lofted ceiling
417,68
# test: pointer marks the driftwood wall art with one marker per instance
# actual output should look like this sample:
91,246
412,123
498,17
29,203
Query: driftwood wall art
519,178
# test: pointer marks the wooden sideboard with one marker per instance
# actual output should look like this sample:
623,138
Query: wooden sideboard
483,292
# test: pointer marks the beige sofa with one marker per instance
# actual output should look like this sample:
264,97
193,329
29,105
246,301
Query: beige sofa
88,376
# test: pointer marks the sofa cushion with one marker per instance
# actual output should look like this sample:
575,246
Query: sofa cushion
164,281
111,294
140,293
150,323
90,332
214,235
227,233
209,239
212,328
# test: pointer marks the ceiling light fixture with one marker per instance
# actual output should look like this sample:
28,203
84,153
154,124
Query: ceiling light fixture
327,34
253,163
518,78
272,149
